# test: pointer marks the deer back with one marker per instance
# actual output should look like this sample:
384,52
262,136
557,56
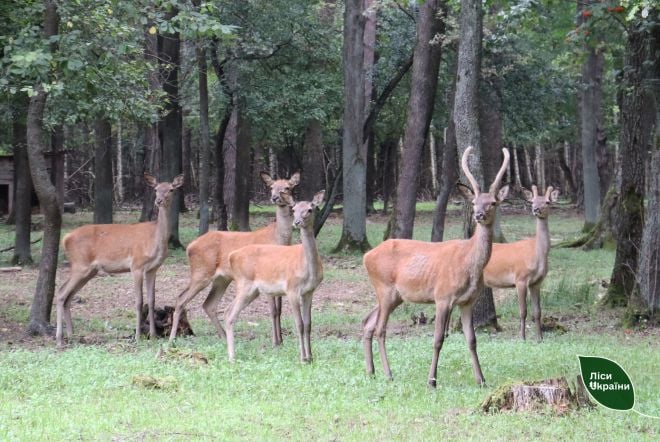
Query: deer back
110,247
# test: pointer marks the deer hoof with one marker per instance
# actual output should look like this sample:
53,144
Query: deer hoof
432,383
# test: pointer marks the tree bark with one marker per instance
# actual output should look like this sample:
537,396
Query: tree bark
637,119
448,183
102,172
39,317
241,213
590,116
649,254
313,176
354,155
424,81
170,131
369,64
152,147
466,120
205,141
119,180
23,191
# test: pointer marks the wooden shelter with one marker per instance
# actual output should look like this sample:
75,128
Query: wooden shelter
8,178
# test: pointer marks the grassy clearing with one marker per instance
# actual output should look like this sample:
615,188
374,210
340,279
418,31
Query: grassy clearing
93,391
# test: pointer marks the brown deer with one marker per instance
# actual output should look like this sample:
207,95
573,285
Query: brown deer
446,273
118,248
523,264
208,258
275,271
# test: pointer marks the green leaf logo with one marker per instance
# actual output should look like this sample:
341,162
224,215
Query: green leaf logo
607,382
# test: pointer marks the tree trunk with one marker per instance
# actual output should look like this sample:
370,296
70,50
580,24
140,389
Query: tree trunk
102,172
516,166
426,63
354,155
170,130
449,178
152,154
449,167
23,192
241,214
466,120
119,181
562,155
637,119
369,64
205,141
648,274
528,168
313,176
490,126
591,114
388,154
39,317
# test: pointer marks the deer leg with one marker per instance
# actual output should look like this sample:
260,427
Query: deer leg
294,301
471,339
211,304
441,318
138,276
77,279
368,327
535,292
381,325
244,296
194,287
521,289
150,280
275,304
307,325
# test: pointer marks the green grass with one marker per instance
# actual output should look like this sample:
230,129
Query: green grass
87,392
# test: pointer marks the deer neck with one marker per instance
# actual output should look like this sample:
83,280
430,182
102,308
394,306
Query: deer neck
542,240
310,252
283,225
162,231
482,245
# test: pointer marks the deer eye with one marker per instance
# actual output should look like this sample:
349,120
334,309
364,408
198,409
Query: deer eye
309,210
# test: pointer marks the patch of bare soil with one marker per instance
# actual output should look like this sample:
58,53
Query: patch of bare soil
109,300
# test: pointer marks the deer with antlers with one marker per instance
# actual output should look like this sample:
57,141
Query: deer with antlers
447,273
275,271
208,258
523,264
115,248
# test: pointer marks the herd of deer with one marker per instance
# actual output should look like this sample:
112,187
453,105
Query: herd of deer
450,273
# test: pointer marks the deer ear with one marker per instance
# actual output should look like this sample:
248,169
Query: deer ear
177,181
318,198
265,177
554,196
465,191
529,196
150,180
503,193
294,180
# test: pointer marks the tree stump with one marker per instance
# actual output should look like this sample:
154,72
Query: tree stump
553,394
163,319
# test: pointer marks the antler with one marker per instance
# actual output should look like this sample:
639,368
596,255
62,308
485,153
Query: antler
468,174
498,179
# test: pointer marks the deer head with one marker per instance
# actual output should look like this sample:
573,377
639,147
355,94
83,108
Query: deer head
541,204
279,187
303,211
164,191
484,204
